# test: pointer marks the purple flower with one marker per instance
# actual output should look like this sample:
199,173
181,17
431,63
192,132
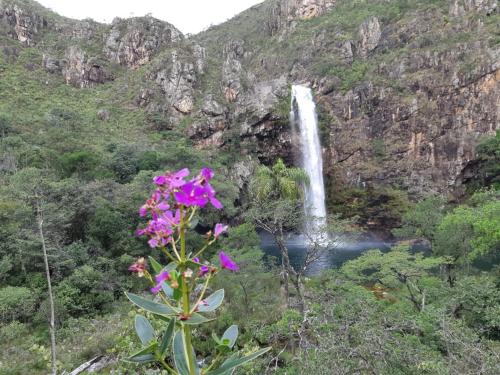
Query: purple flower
160,279
172,219
227,263
206,174
211,196
163,206
204,270
219,229
154,205
176,179
172,180
160,180
143,211
191,194
196,260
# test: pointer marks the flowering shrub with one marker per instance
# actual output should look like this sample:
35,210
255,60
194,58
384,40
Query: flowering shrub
179,289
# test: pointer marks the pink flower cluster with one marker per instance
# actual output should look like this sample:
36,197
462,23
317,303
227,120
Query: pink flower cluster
173,192
173,203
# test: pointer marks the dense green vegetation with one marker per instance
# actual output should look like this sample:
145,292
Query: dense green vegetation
397,312
89,177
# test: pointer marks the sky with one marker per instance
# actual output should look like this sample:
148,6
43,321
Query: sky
189,16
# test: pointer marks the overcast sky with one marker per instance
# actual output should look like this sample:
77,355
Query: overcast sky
189,16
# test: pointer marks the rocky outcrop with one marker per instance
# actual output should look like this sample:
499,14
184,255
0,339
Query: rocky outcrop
257,106
285,13
232,69
459,8
20,23
422,145
51,64
369,35
133,42
176,75
80,71
200,55
103,114
252,123
402,99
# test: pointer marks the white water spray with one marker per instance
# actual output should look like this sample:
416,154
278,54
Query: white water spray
304,115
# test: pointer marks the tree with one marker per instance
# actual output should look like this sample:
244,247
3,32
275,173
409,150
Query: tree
276,206
279,182
398,266
30,186
423,219
252,290
472,231
487,164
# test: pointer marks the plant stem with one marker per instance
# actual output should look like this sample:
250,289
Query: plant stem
204,248
170,369
185,300
165,251
202,294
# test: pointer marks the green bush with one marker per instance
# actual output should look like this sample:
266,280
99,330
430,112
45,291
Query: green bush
422,219
17,303
84,292
80,162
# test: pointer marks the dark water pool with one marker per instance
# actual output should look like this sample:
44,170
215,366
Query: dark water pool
342,250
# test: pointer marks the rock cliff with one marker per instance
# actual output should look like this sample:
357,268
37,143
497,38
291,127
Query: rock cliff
404,89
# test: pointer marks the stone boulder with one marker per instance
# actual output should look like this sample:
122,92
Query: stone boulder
51,64
103,114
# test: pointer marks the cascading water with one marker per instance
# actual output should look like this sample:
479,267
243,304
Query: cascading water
303,114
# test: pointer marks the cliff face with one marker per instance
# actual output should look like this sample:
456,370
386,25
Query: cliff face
404,89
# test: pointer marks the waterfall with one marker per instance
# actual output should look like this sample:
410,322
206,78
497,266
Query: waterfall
303,114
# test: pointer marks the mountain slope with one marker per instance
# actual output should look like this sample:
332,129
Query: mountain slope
405,89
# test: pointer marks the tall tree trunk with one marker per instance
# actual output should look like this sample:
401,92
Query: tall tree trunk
297,282
285,263
49,285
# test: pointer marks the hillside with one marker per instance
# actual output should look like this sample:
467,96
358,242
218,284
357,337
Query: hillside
408,100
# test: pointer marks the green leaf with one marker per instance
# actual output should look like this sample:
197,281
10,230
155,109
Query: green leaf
148,305
180,355
231,334
193,265
170,267
167,337
223,349
233,362
196,319
144,329
212,302
157,267
147,350
169,292
216,338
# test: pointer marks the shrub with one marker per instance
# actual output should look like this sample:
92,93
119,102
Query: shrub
17,303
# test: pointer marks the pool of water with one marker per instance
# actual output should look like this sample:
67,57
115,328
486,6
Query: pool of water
340,251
